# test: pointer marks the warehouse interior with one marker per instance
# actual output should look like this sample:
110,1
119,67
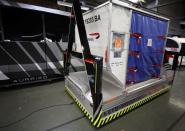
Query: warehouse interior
39,46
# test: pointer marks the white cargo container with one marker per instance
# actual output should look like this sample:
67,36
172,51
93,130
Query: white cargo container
105,23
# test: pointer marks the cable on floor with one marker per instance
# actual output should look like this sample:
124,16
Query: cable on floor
28,115
66,123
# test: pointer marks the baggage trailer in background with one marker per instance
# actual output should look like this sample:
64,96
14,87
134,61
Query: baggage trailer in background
175,46
29,62
30,47
123,48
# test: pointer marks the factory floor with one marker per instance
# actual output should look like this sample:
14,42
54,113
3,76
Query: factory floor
47,106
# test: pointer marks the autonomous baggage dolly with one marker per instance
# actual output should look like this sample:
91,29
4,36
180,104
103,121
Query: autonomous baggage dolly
122,47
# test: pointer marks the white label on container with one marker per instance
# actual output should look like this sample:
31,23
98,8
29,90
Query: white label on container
149,43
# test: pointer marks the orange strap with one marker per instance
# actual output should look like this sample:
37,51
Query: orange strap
138,37
161,37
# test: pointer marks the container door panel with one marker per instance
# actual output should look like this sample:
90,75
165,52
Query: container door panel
146,48
118,49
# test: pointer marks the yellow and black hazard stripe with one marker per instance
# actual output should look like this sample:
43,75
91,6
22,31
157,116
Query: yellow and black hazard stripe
84,110
99,121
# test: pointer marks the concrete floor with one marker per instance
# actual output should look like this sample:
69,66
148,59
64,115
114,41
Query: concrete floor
165,113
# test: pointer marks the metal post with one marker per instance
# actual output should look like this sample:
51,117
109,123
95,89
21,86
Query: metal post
1,26
44,37
180,64
175,62
43,28
67,53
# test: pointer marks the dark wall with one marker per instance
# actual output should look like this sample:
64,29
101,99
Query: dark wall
176,13
57,25
174,10
18,23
